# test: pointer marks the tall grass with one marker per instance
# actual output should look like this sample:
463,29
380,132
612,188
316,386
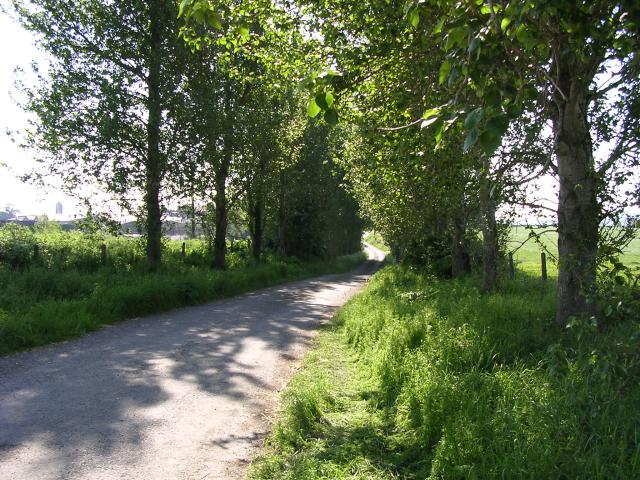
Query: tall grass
65,290
469,386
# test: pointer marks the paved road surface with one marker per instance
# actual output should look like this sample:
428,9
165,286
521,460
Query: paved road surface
182,395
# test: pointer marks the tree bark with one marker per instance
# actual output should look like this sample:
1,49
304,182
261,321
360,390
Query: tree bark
220,180
255,196
193,214
578,210
256,230
489,238
460,262
222,215
282,213
153,161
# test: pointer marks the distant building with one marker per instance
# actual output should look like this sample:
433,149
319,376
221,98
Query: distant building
58,208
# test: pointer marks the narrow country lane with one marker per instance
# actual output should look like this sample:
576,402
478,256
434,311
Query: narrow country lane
183,395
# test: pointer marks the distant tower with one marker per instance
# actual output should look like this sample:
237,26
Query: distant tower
58,208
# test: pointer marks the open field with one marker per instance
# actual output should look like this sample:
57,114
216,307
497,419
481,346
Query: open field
527,258
426,378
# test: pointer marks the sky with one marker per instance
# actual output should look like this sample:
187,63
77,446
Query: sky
19,51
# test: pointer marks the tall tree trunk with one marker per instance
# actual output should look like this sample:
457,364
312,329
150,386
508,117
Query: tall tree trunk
578,210
282,213
220,180
222,215
256,230
193,214
153,163
460,262
489,237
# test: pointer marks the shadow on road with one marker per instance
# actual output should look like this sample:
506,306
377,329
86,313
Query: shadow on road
103,394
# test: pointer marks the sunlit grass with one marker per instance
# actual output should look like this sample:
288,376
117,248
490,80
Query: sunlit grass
41,305
427,378
527,257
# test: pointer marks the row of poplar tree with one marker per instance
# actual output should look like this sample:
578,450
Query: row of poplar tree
127,105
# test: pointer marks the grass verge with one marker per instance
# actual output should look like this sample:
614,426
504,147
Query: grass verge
40,305
426,378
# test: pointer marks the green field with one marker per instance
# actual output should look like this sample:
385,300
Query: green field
527,258
423,378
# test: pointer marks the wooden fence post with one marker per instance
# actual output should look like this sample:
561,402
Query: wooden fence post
184,249
543,259
103,254
512,270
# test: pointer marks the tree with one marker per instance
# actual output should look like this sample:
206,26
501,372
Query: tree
552,58
319,219
8,213
100,105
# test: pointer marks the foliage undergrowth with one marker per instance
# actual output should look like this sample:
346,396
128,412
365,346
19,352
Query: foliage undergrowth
453,384
57,299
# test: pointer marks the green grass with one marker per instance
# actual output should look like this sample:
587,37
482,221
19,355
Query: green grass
39,305
427,378
527,258
328,427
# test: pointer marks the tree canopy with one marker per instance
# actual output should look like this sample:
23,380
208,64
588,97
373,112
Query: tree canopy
427,120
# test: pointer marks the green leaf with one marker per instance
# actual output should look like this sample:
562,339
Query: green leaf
414,18
324,100
470,140
492,97
524,36
440,134
474,118
183,5
313,109
489,142
486,9
443,74
455,73
214,19
497,125
432,112
331,117
329,98
439,26
244,33
474,44
455,37
505,23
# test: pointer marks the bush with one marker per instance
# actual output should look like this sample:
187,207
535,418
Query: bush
16,245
